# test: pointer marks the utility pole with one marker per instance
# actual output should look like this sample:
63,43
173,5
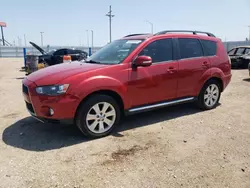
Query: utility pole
87,31
92,39
152,26
41,38
110,15
2,36
24,37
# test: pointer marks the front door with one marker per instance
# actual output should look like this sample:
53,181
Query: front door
157,82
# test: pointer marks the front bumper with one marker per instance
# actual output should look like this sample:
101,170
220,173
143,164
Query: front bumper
64,106
54,121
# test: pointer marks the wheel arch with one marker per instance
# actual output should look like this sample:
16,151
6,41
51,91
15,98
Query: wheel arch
107,92
219,80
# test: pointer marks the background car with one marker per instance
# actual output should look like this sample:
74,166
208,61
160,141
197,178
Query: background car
240,56
56,56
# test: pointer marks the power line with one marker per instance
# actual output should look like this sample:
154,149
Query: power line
110,15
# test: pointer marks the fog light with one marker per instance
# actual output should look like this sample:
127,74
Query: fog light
51,112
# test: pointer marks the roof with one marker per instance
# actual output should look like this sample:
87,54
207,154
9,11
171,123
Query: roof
183,35
242,47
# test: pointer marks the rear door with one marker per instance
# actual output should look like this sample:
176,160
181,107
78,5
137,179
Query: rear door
192,65
210,51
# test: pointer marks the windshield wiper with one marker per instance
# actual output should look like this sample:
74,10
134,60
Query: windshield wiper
92,61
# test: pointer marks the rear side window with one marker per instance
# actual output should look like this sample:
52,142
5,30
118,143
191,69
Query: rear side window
70,51
190,48
210,47
247,51
61,52
160,50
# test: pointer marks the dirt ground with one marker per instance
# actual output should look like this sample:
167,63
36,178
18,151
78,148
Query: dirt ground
179,146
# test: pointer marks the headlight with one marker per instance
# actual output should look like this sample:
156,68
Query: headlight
52,90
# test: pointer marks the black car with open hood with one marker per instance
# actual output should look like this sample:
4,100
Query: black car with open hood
56,56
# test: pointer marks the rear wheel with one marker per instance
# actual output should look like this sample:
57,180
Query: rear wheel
209,95
98,116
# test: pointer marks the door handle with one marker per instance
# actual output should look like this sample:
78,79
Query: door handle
171,70
205,64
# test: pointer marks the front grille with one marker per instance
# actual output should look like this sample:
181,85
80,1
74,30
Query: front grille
30,107
25,89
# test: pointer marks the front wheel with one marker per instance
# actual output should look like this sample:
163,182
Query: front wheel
98,116
209,95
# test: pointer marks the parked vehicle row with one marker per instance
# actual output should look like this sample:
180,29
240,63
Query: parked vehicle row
240,56
130,75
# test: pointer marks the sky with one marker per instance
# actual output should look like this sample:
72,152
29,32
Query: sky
65,22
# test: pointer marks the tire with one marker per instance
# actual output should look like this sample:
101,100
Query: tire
98,124
204,93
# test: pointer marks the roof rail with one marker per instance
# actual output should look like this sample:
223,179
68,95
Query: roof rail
136,34
188,31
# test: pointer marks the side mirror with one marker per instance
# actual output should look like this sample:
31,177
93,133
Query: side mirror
143,61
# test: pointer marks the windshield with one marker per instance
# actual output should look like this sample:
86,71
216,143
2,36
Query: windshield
114,52
51,52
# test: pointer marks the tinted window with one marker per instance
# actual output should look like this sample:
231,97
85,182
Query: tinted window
190,48
61,52
232,52
247,51
70,51
160,50
240,51
209,47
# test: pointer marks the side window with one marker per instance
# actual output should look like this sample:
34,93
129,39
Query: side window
232,52
61,52
240,51
160,50
190,48
210,47
70,51
247,51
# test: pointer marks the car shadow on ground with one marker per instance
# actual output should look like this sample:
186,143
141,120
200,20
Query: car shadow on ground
246,79
30,134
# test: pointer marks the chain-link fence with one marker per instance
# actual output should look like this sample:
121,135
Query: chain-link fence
13,51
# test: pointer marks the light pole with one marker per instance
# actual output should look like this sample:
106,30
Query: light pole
24,37
87,31
110,15
152,26
41,38
92,39
249,33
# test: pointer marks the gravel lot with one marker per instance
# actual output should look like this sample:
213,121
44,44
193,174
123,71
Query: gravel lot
179,146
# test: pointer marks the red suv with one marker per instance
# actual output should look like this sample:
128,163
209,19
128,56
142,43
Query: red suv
134,74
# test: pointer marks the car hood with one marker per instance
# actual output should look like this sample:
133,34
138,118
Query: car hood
38,48
54,74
